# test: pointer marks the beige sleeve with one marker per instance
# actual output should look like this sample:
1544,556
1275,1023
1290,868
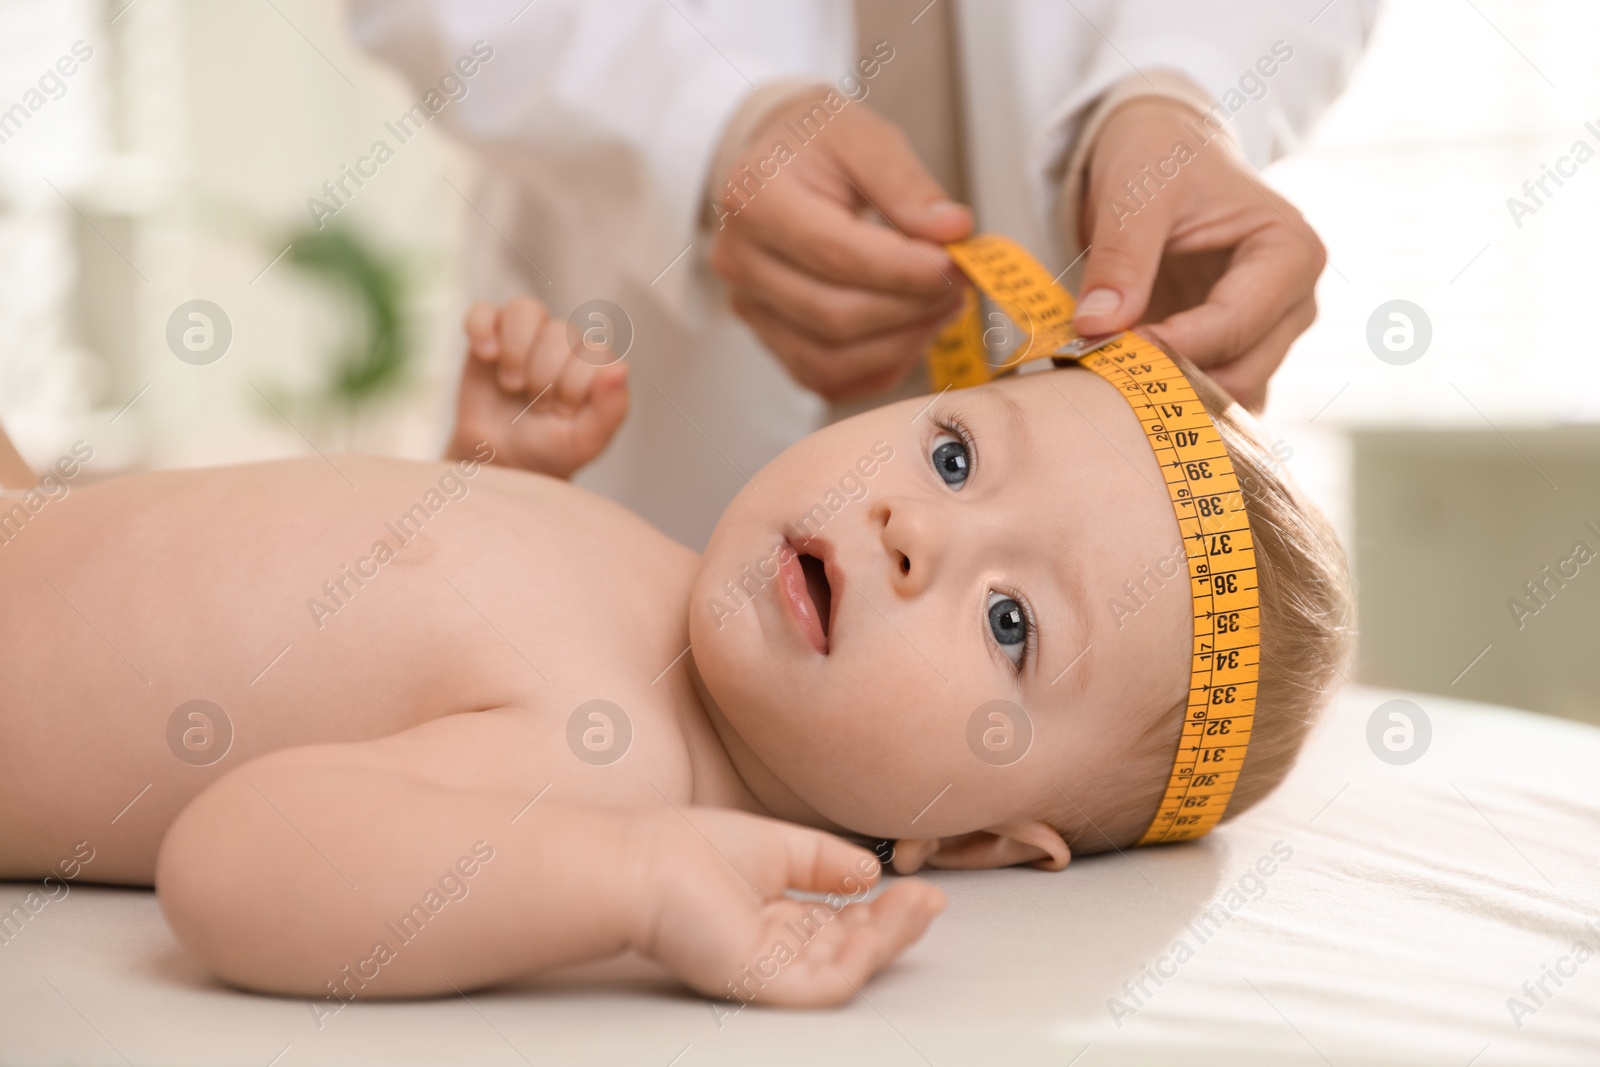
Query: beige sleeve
755,110
1165,84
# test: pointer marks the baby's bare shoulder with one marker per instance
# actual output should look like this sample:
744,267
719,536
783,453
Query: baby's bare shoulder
331,601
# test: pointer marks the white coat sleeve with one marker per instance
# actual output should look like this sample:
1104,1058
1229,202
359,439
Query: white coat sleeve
625,90
1222,47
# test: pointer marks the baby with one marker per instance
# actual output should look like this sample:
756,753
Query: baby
378,728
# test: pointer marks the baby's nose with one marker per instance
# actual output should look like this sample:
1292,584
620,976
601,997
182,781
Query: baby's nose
911,542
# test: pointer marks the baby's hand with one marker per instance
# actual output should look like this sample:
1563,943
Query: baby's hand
716,911
525,393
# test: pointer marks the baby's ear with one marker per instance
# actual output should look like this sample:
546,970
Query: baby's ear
1004,845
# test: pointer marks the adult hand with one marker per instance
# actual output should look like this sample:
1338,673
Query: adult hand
1223,267
849,305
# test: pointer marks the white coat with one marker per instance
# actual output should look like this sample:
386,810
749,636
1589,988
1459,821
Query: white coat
596,122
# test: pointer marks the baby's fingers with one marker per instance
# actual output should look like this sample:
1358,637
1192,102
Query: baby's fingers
598,414
522,323
891,924
570,373
480,324
574,378
862,940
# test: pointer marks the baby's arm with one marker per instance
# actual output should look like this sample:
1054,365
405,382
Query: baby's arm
542,403
14,470
301,873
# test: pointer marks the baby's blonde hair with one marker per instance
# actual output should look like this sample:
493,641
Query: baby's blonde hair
1307,631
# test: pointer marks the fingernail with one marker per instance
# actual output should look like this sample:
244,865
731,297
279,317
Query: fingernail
1099,302
943,207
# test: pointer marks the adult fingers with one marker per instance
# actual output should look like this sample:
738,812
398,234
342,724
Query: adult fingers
1273,271
1246,378
824,237
831,313
1124,255
879,162
806,207
840,371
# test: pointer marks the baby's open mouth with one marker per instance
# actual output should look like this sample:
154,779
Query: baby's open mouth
818,589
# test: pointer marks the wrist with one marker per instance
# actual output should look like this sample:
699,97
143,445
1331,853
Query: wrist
1157,88
1154,87
1153,107
637,840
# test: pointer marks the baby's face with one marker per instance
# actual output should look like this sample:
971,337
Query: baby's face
873,609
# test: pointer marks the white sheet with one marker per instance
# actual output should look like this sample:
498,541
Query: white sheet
1417,900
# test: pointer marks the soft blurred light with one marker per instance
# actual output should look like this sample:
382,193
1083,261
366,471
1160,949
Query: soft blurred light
1406,180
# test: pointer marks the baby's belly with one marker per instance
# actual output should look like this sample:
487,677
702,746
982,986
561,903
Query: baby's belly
160,631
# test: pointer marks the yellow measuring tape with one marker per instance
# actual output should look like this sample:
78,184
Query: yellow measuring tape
1205,498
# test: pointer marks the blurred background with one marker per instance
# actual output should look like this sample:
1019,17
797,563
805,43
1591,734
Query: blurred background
1457,447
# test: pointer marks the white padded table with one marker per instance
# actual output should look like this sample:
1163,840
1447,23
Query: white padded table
1417,900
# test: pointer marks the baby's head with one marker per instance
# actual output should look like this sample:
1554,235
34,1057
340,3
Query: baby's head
876,607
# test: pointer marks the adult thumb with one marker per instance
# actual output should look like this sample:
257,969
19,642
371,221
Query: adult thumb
879,161
1124,255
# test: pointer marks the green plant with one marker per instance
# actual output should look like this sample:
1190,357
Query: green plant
372,359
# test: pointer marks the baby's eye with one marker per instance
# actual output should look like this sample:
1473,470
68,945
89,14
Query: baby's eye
1009,626
951,460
